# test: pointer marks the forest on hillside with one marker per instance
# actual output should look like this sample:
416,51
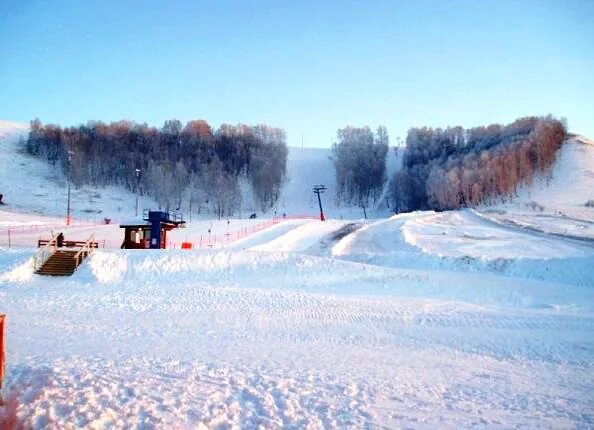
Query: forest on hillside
453,167
200,167
446,168
192,163
360,165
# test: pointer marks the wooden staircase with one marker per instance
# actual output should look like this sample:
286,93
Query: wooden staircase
60,263
52,260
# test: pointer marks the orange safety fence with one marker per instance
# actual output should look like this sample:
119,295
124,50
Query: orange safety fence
32,228
27,228
204,241
210,241
216,241
19,235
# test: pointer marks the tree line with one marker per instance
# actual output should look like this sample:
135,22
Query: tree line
360,165
442,168
177,163
452,168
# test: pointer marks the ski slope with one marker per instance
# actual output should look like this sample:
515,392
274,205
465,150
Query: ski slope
420,320
556,203
33,186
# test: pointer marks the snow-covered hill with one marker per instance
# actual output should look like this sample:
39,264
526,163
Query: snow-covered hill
30,185
33,186
560,203
569,186
12,130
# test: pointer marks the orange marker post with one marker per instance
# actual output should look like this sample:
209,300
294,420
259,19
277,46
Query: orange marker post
2,319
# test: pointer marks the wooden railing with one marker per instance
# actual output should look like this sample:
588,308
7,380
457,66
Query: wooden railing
45,252
85,250
67,243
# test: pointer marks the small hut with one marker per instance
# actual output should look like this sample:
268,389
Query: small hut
151,231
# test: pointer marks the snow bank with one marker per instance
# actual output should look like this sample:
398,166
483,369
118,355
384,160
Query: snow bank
15,266
461,241
301,238
463,234
308,274
108,267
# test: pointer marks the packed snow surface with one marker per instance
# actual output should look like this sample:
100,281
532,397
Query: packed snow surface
422,320
294,334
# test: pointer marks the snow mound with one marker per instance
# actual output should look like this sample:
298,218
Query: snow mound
302,238
19,266
108,267
463,234
463,241
293,272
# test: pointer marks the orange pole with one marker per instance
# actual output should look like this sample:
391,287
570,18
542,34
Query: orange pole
2,319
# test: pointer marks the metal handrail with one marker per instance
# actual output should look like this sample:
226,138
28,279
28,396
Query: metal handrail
172,215
87,249
41,253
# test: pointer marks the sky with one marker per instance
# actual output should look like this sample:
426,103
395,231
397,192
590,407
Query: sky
309,67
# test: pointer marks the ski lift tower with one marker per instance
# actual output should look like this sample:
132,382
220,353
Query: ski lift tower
319,189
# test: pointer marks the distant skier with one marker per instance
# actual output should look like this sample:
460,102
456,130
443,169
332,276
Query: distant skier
60,240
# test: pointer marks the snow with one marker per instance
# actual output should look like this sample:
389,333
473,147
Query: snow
285,339
312,166
556,203
33,186
573,171
462,233
422,320
12,130
301,238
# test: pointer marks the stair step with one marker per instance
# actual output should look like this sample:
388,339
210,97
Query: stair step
60,263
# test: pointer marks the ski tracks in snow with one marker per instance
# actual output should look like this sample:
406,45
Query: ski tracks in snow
289,359
328,333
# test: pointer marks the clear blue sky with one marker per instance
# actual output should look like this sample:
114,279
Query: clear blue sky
309,67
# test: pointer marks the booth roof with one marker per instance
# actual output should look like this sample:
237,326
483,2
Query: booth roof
135,223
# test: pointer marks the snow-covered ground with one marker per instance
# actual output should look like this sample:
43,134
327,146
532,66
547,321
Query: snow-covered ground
422,320
283,339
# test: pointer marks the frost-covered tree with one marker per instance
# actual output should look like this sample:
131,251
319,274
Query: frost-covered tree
221,189
170,158
452,168
360,165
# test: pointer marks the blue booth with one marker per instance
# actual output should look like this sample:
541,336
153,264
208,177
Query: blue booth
151,232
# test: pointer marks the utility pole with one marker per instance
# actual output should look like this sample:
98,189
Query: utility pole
68,181
319,189
138,171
